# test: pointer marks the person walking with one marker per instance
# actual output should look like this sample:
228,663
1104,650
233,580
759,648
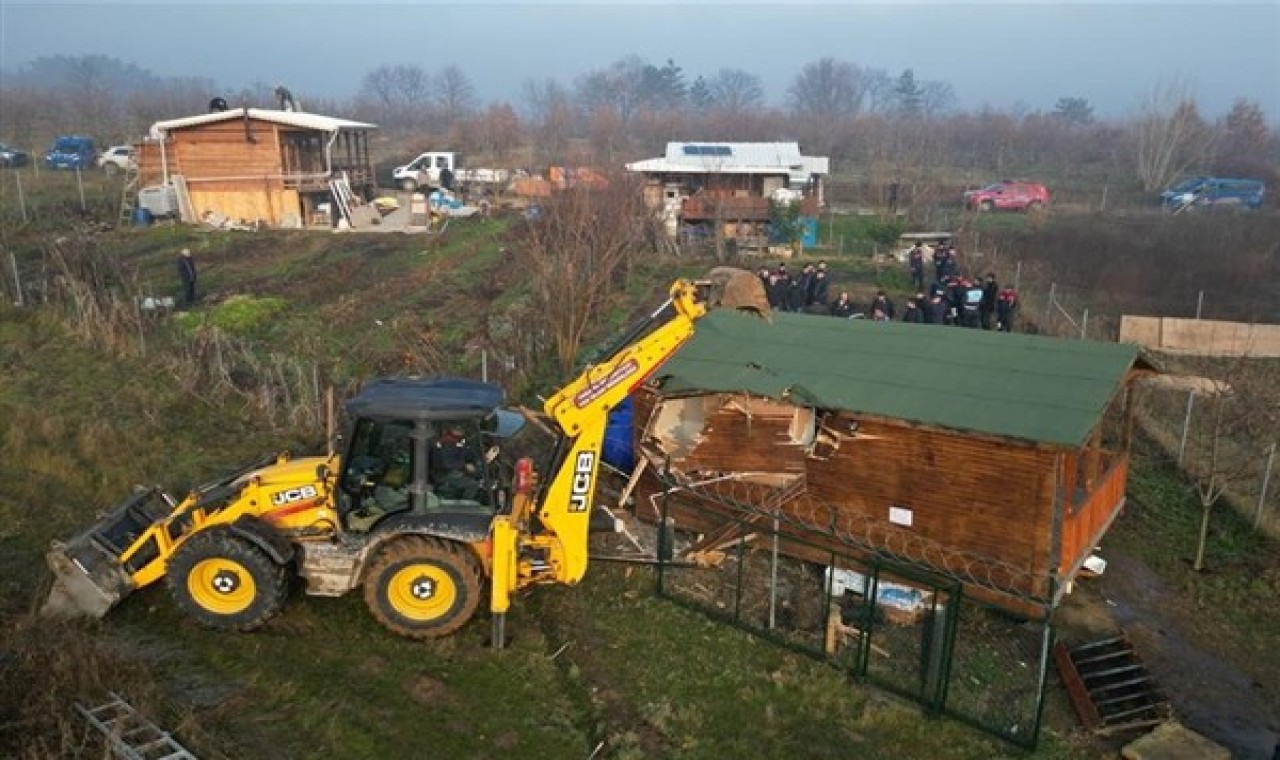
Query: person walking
187,273
821,293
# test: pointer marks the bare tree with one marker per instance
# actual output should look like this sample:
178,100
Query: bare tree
828,89
577,254
1243,411
735,91
454,95
1245,134
1171,136
620,87
400,94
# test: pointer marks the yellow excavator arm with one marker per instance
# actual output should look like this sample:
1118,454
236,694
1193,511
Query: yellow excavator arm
556,551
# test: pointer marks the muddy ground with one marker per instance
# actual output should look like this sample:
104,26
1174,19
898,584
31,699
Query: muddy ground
1209,692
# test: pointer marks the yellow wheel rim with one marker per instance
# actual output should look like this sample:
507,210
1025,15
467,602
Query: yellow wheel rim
421,592
222,586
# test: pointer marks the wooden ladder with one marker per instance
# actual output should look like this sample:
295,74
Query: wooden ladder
129,735
129,194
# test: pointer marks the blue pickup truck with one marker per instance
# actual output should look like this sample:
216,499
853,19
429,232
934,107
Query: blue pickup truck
71,152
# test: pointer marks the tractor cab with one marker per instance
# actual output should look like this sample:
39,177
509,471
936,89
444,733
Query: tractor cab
425,448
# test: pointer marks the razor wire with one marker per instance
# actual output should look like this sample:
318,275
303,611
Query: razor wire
751,501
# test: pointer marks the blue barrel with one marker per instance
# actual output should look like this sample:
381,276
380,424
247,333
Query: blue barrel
618,450
141,217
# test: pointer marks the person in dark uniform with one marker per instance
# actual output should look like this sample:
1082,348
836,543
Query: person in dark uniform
915,262
971,305
882,308
990,291
821,293
935,312
843,307
187,274
1006,306
455,465
913,313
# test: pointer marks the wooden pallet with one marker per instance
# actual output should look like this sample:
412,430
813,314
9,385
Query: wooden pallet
1110,689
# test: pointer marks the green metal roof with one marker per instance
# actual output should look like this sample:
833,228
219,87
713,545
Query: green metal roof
1028,387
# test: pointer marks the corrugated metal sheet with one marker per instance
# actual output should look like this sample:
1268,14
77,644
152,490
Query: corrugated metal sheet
289,118
742,158
1028,387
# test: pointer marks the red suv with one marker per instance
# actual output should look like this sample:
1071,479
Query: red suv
1012,196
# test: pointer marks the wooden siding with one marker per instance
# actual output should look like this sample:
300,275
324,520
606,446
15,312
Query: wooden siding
254,171
968,497
1083,527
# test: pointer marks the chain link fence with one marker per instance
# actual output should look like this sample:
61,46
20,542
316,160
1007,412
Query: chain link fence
905,627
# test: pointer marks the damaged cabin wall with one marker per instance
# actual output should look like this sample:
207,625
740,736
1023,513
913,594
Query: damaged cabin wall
967,496
712,434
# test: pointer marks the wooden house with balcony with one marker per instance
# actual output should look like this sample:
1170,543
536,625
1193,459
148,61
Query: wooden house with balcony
705,190
251,165
989,461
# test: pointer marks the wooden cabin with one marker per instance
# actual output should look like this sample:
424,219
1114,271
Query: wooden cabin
994,460
256,166
697,186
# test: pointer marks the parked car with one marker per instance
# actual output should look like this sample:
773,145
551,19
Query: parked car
1200,192
71,152
11,156
117,158
1007,195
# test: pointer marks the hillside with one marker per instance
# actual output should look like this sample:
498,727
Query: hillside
606,669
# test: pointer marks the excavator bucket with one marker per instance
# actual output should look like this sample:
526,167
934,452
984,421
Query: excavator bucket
88,576
733,288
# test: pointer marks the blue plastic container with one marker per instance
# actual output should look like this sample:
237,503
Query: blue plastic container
618,450
142,217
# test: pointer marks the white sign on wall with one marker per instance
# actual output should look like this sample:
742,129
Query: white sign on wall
900,516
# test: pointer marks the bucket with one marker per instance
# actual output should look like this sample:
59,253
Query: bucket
141,217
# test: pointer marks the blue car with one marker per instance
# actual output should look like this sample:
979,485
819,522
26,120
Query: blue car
1215,192
71,152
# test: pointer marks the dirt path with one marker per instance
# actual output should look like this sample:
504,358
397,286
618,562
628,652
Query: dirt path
1209,693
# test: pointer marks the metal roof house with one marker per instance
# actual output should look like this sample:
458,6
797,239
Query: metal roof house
255,165
989,460
700,185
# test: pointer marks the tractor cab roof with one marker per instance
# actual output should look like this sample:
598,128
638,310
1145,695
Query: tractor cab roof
422,398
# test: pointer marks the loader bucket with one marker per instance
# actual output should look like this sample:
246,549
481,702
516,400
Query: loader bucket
733,288
88,576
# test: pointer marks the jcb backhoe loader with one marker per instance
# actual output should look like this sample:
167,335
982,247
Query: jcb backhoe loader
416,511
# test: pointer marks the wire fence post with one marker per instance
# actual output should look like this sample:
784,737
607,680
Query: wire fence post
17,280
1199,304
1084,323
484,365
1266,481
80,184
1186,426
1048,307
1017,275
22,199
773,579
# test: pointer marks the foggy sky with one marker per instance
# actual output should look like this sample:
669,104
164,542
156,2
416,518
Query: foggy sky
1005,54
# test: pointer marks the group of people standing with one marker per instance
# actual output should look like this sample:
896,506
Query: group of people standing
951,299
954,299
808,291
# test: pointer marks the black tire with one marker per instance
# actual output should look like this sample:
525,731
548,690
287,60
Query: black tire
1034,207
226,582
111,169
408,185
423,588
987,206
